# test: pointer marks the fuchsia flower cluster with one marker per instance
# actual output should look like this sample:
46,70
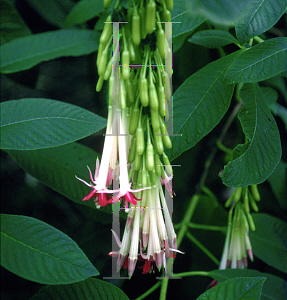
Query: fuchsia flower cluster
149,234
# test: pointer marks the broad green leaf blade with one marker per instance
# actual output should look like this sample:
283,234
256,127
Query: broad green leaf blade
270,95
12,25
53,11
39,252
83,11
278,181
260,62
223,12
199,105
273,288
212,38
41,47
269,240
85,290
258,17
57,167
239,288
30,124
186,20
255,160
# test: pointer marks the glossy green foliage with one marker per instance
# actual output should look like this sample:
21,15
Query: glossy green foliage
39,252
237,288
254,161
45,46
85,290
31,124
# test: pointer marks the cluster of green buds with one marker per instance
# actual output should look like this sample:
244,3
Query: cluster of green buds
137,62
145,72
237,243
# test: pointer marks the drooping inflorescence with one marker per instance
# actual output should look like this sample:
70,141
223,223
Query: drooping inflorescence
137,62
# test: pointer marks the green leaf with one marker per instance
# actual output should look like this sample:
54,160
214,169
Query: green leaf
260,62
273,287
83,11
39,252
85,290
41,47
236,288
258,17
222,12
12,25
57,167
30,124
199,105
269,240
187,21
53,11
255,160
278,181
212,38
270,95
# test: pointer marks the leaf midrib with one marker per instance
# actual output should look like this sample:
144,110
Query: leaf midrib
41,252
44,118
251,65
40,54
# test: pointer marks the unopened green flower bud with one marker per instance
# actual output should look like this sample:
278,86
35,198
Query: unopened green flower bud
157,164
108,71
126,64
237,194
132,50
134,120
165,15
160,37
167,164
246,201
107,31
107,3
161,101
165,137
150,16
144,92
100,83
136,29
153,100
158,141
138,160
255,193
155,119
253,203
153,177
100,52
140,141
142,14
251,222
103,62
149,162
133,148
169,4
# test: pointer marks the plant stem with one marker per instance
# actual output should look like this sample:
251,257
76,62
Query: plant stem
258,39
149,291
203,248
207,227
183,229
223,148
188,215
163,290
192,273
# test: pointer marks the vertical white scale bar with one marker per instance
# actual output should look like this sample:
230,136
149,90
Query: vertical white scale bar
116,106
